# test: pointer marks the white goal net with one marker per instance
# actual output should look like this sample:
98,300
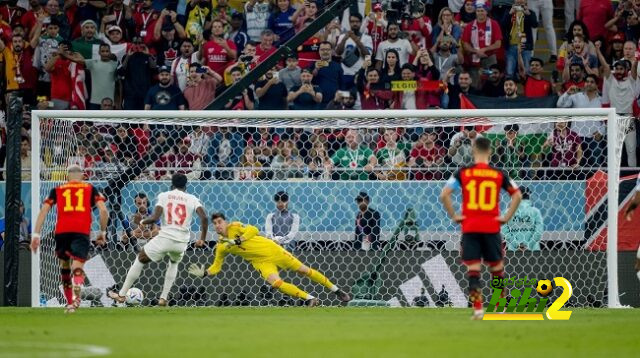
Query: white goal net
362,193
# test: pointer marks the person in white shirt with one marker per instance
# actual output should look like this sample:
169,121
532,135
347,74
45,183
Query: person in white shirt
176,208
353,46
404,47
282,225
180,66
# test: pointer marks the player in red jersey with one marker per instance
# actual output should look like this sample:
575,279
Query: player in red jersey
75,200
481,220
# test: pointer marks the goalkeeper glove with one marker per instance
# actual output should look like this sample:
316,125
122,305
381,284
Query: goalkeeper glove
197,270
232,242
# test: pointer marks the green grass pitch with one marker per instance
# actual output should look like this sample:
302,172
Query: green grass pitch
310,332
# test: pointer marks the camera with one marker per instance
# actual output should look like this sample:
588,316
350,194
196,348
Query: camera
466,141
625,13
246,58
19,79
201,69
518,8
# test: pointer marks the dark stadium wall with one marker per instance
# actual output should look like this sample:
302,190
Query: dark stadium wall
24,279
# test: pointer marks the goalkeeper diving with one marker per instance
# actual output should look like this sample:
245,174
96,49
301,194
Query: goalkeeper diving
265,256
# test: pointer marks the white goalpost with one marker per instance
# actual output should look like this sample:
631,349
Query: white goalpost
237,160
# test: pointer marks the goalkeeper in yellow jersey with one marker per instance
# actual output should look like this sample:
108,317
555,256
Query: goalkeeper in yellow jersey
266,257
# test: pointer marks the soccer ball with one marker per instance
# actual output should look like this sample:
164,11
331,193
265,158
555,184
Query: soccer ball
544,287
134,297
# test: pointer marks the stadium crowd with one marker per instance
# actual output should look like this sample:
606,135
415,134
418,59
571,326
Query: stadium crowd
180,55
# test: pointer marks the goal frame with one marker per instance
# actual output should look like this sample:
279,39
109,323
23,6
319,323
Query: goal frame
613,166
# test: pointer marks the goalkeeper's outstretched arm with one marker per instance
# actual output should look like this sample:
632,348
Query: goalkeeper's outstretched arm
216,266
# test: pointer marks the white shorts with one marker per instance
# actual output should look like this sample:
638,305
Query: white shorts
161,246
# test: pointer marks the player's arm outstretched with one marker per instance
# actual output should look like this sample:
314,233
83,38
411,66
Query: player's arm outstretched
216,266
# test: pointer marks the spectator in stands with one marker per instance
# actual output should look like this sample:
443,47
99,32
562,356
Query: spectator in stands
391,159
199,140
271,92
282,225
304,14
510,88
306,96
595,14
577,28
217,53
61,68
544,9
460,150
573,75
168,34
137,70
265,48
367,225
391,68
237,34
318,161
619,90
103,76
80,11
590,133
534,84
84,44
114,37
182,162
250,161
201,86
120,16
372,92
134,233
518,24
244,100
180,67
418,27
403,47
28,20
566,150
60,18
257,18
126,145
444,58
290,75
578,53
466,15
11,13
245,62
426,155
198,14
17,66
480,41
24,238
145,17
462,87
524,231
511,152
343,100
446,29
375,25
224,152
354,161
46,49
353,47
625,22
615,49
164,96
494,86
287,163
629,50
25,158
107,165
280,21
327,74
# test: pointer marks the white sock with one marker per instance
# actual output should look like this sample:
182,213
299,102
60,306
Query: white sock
309,297
132,276
169,278
334,288
638,274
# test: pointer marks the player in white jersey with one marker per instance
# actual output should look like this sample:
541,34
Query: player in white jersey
635,202
176,207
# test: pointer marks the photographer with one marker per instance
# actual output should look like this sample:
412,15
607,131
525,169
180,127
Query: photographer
246,62
461,143
201,86
417,25
343,100
327,73
167,36
625,21
404,47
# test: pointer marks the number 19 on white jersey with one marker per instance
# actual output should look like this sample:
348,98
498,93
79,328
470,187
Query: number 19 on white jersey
178,208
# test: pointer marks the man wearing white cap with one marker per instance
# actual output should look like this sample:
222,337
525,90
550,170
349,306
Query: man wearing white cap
84,44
